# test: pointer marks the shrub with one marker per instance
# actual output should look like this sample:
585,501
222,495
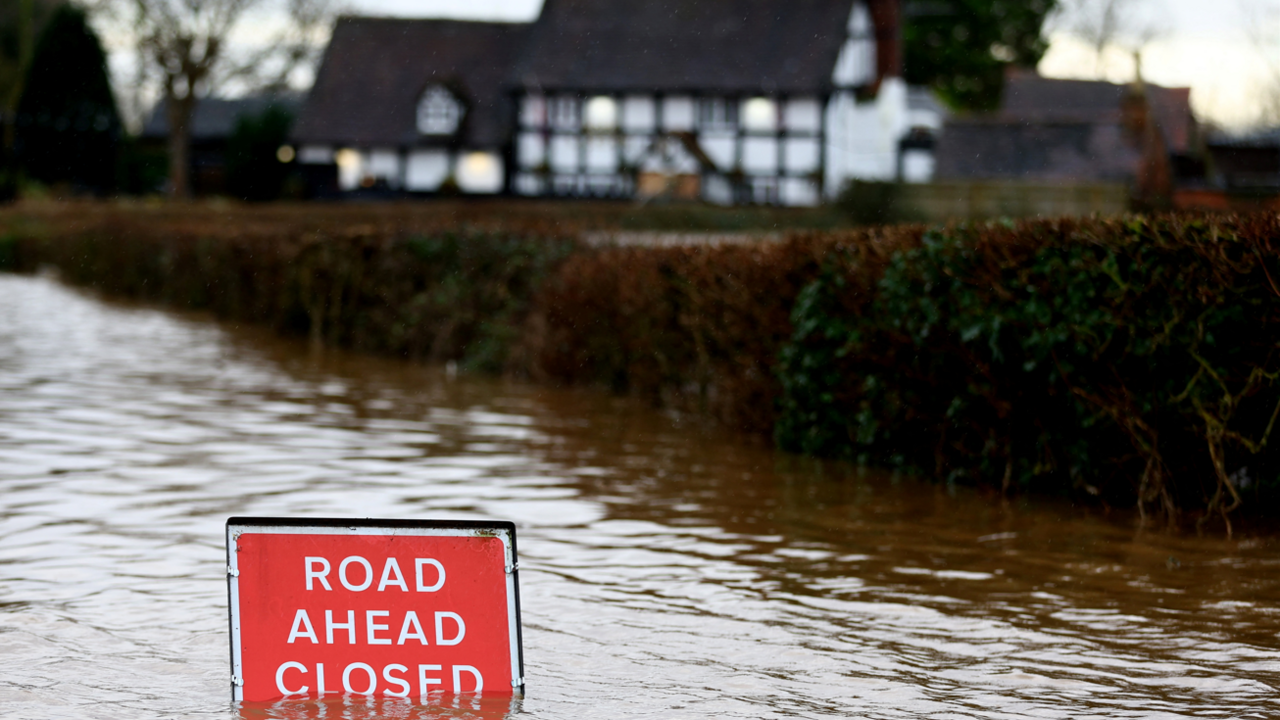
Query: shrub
1135,360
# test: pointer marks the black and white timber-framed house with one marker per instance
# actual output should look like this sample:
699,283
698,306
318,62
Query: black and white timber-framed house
724,100
411,106
728,101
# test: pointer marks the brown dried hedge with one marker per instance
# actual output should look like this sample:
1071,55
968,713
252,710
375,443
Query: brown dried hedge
444,282
698,328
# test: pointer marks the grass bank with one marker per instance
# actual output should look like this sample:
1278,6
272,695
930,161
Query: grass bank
1131,362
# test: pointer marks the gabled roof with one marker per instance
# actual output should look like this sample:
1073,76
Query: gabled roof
1060,131
375,70
1032,98
994,148
216,118
771,46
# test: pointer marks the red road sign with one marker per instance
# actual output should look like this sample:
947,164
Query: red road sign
395,608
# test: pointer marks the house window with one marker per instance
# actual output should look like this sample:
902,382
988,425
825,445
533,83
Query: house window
760,115
602,113
566,113
533,111
480,172
717,114
349,165
439,112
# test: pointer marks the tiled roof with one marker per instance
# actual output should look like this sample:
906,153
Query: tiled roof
375,70
1032,98
1059,131
1062,151
770,46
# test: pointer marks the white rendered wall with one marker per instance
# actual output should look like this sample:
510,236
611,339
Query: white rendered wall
634,147
602,154
802,115
564,153
639,114
531,150
802,154
760,155
856,64
719,147
862,138
677,113
799,192
426,170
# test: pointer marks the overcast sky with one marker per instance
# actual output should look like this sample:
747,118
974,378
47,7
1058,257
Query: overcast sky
1208,45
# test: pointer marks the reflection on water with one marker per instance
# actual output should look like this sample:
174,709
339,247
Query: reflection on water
666,571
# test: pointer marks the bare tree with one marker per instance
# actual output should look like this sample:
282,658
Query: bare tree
1262,20
185,46
1108,24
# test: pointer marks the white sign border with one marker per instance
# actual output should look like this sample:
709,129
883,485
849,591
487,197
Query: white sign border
504,531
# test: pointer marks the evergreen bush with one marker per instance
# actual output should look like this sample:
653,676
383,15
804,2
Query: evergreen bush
67,126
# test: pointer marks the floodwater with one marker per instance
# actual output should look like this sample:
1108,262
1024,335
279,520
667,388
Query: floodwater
667,570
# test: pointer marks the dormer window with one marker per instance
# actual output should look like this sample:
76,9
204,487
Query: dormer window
439,112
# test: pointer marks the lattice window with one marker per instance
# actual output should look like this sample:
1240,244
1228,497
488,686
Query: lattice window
439,112
565,113
717,114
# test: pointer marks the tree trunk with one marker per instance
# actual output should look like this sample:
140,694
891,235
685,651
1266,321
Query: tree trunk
179,112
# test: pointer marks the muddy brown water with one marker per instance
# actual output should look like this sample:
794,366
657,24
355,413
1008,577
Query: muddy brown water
667,570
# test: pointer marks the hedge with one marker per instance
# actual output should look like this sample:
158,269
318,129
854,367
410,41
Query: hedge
1133,360
1129,361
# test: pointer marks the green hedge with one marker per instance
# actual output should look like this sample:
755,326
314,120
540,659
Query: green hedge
1132,360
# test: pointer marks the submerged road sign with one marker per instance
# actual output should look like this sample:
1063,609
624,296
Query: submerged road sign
395,608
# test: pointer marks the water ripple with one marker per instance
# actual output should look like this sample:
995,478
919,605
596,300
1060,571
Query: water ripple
667,571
